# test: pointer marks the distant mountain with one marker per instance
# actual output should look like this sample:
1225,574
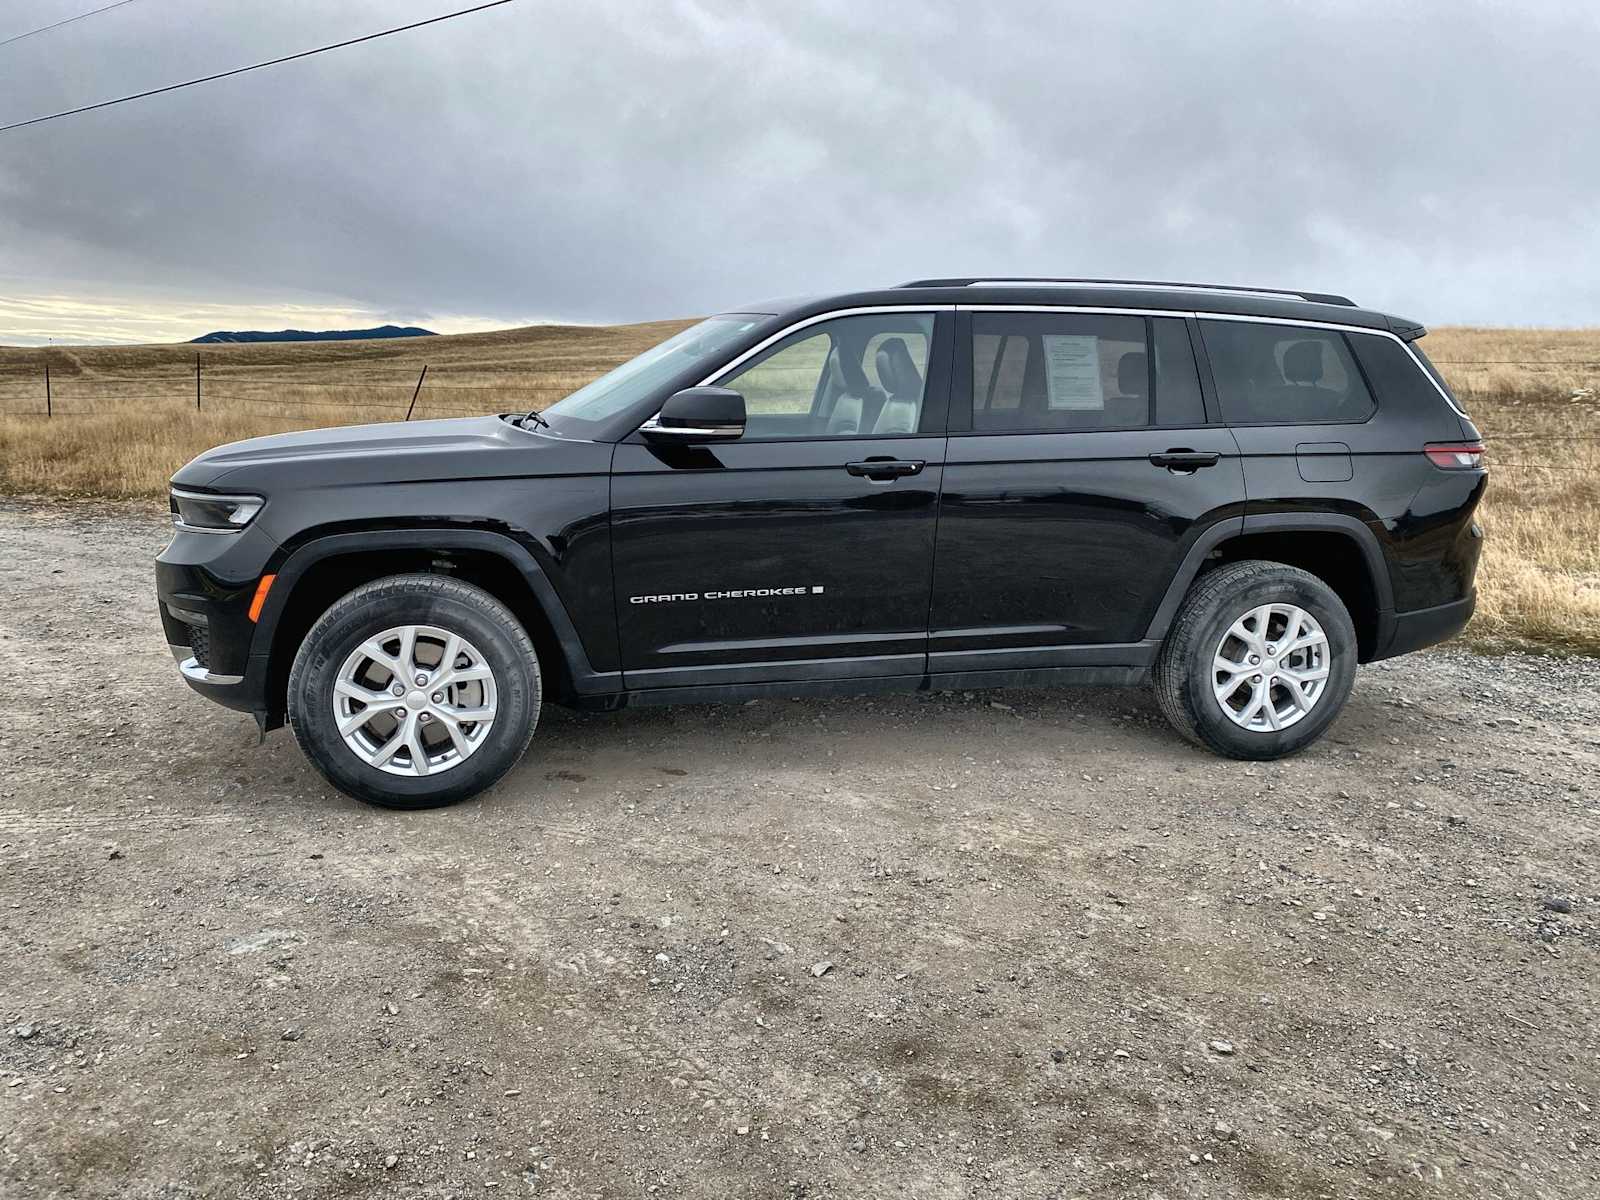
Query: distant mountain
316,335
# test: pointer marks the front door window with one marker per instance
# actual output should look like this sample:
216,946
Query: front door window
851,377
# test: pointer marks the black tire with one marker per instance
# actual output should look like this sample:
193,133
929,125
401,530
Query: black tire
435,600
1184,671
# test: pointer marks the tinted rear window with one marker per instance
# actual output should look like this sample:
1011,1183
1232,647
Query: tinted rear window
1401,385
1284,374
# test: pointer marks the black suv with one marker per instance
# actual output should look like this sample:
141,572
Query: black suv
1234,494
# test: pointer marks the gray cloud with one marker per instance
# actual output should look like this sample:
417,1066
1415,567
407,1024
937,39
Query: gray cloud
627,161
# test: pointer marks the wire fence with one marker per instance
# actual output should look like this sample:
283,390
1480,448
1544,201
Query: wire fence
53,394
59,395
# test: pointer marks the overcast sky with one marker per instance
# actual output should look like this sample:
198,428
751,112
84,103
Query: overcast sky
616,162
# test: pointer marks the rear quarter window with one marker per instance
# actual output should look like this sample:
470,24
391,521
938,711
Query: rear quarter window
1269,374
1401,383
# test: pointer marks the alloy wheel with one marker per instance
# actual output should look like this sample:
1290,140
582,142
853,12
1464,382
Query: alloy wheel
1271,667
414,700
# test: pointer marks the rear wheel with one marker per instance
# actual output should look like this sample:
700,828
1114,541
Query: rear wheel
1259,661
414,691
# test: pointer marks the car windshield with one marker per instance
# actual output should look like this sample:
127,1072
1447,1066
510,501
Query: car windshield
638,377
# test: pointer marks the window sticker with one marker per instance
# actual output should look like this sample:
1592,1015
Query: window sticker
1072,371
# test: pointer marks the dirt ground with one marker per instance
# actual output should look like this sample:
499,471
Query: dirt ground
1011,944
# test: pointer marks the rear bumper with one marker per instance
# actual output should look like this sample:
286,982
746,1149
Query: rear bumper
1428,626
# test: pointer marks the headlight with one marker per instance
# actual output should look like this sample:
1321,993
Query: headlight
206,513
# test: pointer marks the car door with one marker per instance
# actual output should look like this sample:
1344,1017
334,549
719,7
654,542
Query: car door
1082,465
804,549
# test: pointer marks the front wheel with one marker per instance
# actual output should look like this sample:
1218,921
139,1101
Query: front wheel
1259,661
414,691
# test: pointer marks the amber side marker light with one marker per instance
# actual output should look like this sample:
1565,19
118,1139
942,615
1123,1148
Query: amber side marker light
1455,456
260,597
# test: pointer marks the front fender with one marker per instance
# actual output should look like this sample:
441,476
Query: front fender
586,679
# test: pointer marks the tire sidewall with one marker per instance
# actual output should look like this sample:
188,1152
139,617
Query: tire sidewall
343,628
1219,730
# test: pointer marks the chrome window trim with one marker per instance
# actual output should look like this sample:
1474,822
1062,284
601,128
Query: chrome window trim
1201,315
722,371
1404,345
1197,314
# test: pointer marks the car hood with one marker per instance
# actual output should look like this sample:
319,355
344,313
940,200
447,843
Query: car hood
395,452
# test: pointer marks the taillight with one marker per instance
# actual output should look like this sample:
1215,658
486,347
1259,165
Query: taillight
1455,456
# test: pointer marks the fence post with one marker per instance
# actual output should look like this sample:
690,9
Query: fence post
418,390
197,381
49,410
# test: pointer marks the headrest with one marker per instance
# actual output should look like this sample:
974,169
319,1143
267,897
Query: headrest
1302,362
1133,373
897,371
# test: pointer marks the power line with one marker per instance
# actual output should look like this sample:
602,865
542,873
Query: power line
272,62
47,28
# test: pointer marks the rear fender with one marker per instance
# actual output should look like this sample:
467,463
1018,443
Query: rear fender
1214,537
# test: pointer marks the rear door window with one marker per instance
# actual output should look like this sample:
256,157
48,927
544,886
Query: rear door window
1058,372
1269,374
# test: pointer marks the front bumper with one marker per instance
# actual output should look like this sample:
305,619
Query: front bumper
204,586
189,666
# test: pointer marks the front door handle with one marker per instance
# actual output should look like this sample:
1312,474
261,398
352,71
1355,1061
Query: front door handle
885,468
1184,459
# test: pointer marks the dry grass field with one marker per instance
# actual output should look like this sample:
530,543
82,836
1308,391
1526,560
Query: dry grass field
125,416
125,420
1535,394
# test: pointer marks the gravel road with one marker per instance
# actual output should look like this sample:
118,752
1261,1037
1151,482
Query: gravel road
1022,944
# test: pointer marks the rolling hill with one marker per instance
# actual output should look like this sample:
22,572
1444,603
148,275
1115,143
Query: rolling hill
313,335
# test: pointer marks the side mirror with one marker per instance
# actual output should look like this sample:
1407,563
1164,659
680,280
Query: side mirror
698,414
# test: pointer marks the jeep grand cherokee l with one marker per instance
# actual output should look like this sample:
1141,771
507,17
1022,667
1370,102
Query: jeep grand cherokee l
1236,495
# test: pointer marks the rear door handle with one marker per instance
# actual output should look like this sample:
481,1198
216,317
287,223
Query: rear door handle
1184,459
885,468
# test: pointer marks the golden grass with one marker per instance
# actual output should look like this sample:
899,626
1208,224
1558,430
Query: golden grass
125,416
1535,395
126,420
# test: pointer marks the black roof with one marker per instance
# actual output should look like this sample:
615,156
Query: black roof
1107,293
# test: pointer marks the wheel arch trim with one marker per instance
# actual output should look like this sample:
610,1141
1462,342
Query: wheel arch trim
585,679
1224,531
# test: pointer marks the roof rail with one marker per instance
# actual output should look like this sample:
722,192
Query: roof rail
1148,284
